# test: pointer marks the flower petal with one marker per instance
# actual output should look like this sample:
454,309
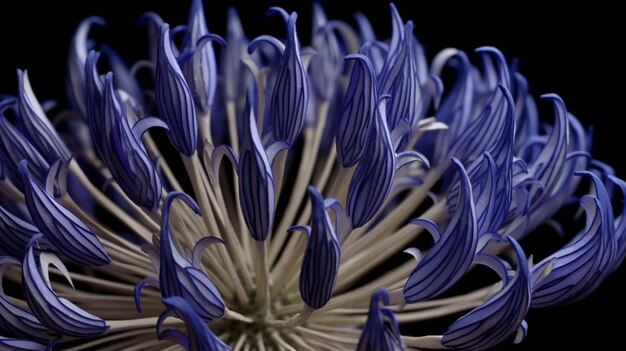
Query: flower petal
381,331
174,98
446,262
359,107
178,277
15,233
199,337
36,125
70,236
256,182
320,264
373,177
499,317
56,313
14,320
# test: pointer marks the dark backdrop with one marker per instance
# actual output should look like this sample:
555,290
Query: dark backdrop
567,50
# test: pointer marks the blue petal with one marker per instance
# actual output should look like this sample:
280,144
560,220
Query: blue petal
178,277
230,60
620,225
201,69
9,344
199,336
499,317
256,183
359,107
124,78
124,154
446,262
56,313
325,67
290,96
320,264
580,266
70,236
14,320
373,177
399,80
174,98
75,79
381,331
36,125
14,147
94,102
15,233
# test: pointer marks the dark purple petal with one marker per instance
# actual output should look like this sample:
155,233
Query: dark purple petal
70,236
320,264
178,277
359,107
94,101
75,78
55,312
580,266
9,344
620,225
499,317
14,320
199,336
381,331
14,147
256,183
124,78
124,154
174,98
290,96
15,233
373,178
446,262
36,125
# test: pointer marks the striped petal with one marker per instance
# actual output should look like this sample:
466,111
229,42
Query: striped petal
75,78
256,182
36,125
16,321
200,70
178,277
174,99
381,331
320,264
620,226
399,80
70,236
580,266
446,262
290,96
199,337
9,344
14,147
359,107
15,233
125,155
56,313
499,317
373,177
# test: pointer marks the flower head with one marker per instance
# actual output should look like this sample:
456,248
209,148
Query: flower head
354,139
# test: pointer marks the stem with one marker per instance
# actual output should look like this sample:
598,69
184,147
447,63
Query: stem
263,276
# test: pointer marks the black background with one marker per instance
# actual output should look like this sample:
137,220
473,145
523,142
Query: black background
569,50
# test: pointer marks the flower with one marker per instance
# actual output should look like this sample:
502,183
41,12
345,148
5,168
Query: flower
360,143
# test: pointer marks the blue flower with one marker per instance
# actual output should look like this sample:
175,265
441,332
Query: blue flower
290,96
174,98
381,331
501,315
